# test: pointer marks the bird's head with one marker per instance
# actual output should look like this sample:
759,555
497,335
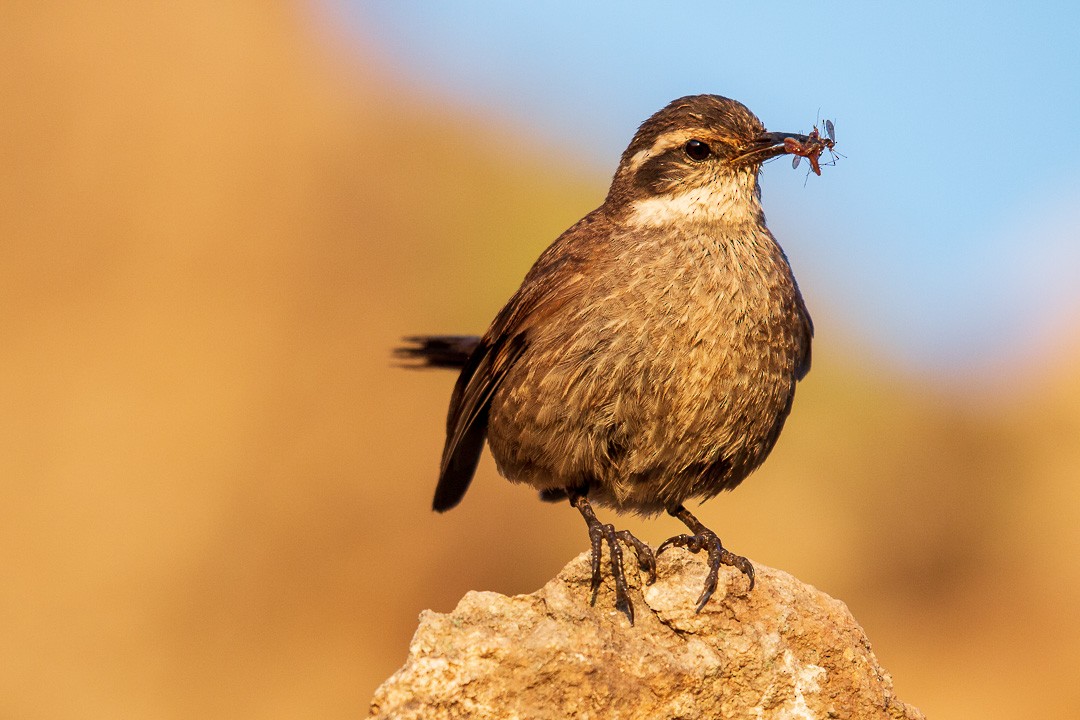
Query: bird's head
695,160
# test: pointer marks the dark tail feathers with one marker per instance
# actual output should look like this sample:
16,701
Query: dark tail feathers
437,351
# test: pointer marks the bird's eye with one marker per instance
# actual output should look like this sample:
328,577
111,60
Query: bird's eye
696,150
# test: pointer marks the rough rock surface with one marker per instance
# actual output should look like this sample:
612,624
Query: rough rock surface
784,650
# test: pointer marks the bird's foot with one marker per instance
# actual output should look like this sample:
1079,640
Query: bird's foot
705,539
599,533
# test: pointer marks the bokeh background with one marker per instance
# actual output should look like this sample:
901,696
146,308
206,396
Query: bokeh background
216,218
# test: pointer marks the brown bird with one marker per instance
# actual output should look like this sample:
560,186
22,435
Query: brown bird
650,355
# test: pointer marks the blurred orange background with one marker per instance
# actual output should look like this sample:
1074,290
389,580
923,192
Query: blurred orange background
217,220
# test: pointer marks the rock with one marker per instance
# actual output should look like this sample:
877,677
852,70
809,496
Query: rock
783,650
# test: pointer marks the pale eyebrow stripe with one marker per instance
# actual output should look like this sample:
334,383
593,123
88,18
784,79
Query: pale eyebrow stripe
670,139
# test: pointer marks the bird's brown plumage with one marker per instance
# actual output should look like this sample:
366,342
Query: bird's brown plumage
650,355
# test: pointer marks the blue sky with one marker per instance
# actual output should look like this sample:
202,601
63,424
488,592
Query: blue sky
949,237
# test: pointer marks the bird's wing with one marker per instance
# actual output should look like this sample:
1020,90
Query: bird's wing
553,282
802,364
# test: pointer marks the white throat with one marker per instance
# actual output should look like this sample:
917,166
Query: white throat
730,201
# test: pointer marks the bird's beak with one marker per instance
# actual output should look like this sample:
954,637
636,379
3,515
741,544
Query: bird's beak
767,145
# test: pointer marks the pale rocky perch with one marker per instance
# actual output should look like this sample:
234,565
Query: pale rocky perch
784,650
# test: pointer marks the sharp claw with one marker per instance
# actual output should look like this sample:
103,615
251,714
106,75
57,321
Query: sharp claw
715,558
595,589
718,555
739,563
645,556
622,592
626,607
704,597
677,541
651,569
599,533
747,569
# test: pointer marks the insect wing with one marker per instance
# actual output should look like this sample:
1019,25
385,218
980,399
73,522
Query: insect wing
830,130
795,161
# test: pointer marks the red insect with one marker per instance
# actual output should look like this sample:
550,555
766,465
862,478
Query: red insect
812,147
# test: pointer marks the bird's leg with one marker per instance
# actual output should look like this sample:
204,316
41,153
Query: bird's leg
704,538
599,533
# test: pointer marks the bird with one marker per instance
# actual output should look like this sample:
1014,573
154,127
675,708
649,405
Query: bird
651,354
